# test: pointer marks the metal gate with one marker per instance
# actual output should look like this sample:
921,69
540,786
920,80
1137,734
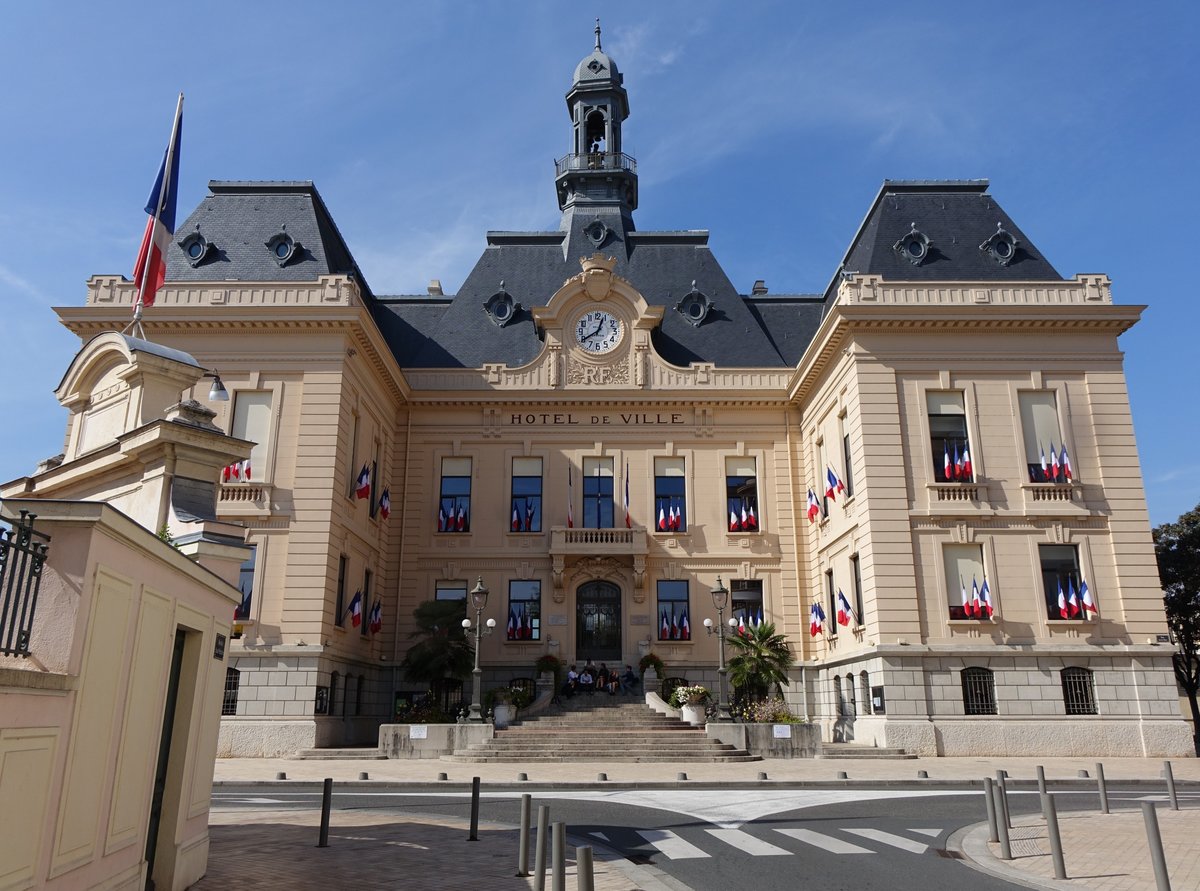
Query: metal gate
598,622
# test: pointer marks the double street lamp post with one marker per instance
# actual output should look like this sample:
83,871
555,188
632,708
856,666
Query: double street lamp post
479,598
720,596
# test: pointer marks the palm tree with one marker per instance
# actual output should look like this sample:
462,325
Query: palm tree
761,659
443,653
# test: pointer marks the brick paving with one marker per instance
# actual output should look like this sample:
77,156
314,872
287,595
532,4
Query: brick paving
1108,852
256,849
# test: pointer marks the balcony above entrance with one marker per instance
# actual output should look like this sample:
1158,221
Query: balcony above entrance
625,548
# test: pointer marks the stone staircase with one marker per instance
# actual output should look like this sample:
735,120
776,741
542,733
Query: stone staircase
851,750
601,730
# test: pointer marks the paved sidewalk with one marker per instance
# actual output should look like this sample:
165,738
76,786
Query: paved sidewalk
1105,852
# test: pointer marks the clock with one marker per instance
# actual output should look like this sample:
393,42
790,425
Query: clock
598,331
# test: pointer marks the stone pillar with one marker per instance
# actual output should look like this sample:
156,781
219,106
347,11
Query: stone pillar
651,682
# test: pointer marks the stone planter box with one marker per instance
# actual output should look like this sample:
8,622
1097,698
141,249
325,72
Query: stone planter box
430,740
800,741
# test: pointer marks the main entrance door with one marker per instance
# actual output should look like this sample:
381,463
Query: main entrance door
598,622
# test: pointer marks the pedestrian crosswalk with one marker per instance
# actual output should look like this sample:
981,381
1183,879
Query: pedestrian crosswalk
674,846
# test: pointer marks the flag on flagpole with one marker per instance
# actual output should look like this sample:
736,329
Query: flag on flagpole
515,524
662,518
1053,463
150,270
685,627
362,487
1045,468
674,627
735,524
976,603
628,519
831,484
947,467
528,515
441,518
741,625
745,516
460,521
512,624
385,503
966,602
664,629
958,467
845,614
376,618
968,472
1062,601
1072,598
814,509
355,609
570,499
1066,464
985,599
752,522
1089,605
816,623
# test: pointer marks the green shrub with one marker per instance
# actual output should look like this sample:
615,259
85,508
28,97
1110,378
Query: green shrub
651,660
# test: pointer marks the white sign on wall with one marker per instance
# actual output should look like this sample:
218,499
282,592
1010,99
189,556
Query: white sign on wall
782,731
418,731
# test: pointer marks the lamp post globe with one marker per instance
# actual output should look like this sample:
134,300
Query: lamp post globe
720,597
479,598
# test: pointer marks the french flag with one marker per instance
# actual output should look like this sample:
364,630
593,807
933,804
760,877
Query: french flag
528,516
741,625
985,599
966,601
814,509
967,470
831,484
685,628
844,612
1062,602
1054,468
362,486
512,624
751,520
816,623
976,602
356,609
442,518
1089,605
662,518
947,467
515,526
385,500
150,270
1072,599
1066,464
376,618
664,630
958,466
734,524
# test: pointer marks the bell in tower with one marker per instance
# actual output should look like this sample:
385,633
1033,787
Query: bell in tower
597,175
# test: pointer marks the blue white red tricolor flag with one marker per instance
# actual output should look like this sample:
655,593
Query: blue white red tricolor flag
377,617
356,609
362,486
816,623
845,614
150,270
814,509
385,504
985,599
1089,605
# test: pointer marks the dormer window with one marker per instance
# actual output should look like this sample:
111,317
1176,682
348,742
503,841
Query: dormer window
914,246
500,307
1002,246
597,232
695,306
196,248
282,248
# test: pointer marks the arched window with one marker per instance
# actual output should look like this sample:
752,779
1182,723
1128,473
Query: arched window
851,704
333,692
979,691
839,696
1079,692
229,702
865,692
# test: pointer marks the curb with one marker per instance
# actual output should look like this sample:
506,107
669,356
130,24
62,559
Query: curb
970,842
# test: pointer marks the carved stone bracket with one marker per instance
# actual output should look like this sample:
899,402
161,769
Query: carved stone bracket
560,591
639,578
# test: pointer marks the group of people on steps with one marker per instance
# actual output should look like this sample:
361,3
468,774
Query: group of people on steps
591,680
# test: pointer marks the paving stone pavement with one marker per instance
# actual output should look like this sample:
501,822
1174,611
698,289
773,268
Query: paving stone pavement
256,849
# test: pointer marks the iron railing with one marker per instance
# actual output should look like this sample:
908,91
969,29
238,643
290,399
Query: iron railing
22,556
595,161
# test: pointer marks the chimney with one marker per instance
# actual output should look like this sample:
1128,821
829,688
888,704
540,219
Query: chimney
435,287
760,287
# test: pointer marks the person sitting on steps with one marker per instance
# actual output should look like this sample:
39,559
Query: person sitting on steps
587,681
630,681
571,686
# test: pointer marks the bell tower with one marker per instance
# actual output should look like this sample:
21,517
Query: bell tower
597,175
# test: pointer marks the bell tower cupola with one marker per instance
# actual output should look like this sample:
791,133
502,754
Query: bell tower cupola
597,174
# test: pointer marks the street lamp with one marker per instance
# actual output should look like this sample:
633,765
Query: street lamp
720,596
479,597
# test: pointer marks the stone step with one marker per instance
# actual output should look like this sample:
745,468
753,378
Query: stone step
850,750
372,754
607,759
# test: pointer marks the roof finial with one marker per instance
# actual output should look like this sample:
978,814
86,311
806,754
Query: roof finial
597,35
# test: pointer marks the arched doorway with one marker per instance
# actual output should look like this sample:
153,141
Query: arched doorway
598,622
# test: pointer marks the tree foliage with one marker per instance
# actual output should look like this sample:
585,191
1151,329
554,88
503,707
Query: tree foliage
761,659
1177,546
442,650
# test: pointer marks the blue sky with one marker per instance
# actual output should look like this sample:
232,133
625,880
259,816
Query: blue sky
770,124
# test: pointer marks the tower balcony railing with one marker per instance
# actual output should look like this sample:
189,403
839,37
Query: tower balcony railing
595,161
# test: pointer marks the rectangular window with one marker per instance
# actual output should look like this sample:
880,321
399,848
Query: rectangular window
741,494
746,601
674,623
948,437
1039,428
847,469
229,700
598,493
858,595
979,691
526,514
670,499
365,605
831,611
1079,692
246,584
524,610
454,498
339,609
450,591
375,490
964,569
352,483
1061,582
252,421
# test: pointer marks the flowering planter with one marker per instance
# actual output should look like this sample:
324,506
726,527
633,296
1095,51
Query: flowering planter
503,714
693,713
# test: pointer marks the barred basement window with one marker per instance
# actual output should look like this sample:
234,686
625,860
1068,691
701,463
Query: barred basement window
979,691
1079,694
229,702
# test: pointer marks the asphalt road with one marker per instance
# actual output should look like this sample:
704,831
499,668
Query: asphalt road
715,840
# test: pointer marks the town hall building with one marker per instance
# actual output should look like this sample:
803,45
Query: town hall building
923,473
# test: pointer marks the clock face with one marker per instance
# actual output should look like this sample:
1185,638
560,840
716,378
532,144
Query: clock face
598,331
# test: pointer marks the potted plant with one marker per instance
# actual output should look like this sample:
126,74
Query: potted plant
691,700
500,702
652,661
548,663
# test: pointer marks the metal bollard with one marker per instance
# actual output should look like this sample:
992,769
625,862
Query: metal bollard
326,803
1171,785
523,840
539,855
1041,780
281,776
474,836
1056,850
989,800
583,866
922,774
762,775
1001,826
1002,782
1103,787
842,775
558,872
1154,837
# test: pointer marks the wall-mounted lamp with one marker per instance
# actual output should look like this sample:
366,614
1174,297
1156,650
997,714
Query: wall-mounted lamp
217,393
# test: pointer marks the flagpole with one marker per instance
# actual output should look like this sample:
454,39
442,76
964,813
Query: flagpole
158,208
